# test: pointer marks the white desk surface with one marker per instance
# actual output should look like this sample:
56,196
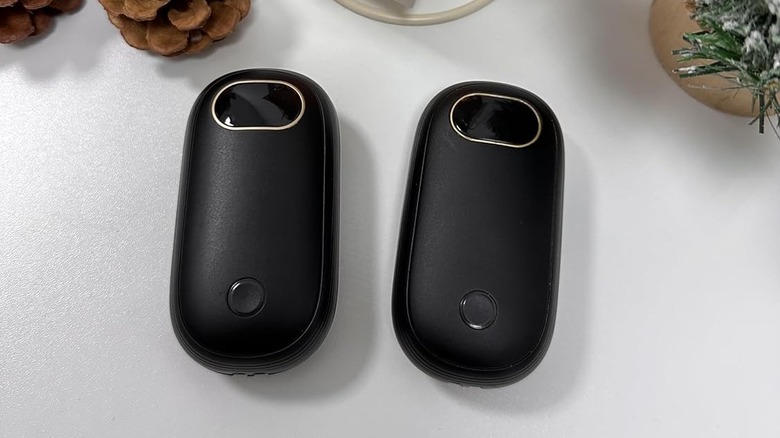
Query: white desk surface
669,314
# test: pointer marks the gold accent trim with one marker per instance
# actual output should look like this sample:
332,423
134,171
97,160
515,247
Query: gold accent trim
258,128
498,143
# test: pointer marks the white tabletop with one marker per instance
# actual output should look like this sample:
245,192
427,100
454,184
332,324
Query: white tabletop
669,313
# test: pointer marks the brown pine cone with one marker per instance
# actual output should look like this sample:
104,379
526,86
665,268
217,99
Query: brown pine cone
25,18
175,27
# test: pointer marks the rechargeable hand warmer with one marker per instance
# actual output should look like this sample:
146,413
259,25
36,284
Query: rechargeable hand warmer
477,270
253,286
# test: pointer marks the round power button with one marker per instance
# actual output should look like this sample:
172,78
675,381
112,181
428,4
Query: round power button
246,297
478,309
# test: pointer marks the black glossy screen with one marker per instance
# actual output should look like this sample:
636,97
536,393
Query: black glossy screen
258,105
489,118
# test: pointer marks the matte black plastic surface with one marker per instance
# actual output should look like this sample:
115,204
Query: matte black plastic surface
477,271
254,277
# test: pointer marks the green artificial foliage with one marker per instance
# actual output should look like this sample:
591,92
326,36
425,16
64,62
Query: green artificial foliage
740,41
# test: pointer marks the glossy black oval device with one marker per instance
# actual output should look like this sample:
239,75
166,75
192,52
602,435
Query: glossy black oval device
476,278
254,278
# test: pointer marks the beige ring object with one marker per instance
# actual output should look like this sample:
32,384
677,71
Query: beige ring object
390,17
669,20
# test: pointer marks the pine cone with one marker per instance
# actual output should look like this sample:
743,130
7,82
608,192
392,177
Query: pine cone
25,18
175,27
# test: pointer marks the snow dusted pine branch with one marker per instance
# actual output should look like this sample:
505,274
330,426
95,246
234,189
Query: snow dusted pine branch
740,41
